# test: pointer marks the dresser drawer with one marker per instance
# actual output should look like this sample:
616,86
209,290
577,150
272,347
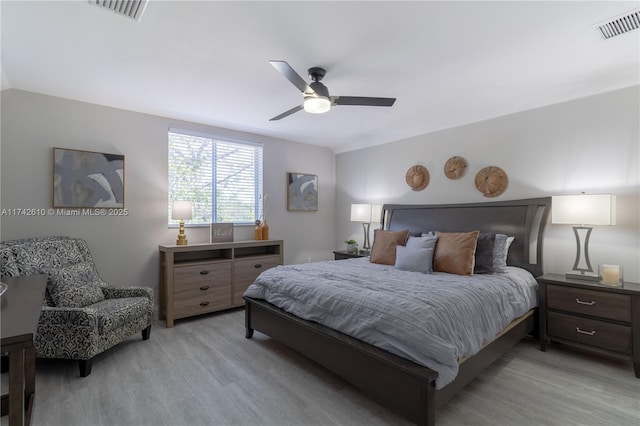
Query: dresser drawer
245,271
598,304
193,276
201,288
602,334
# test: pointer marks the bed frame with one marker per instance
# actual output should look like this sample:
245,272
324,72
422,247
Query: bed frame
399,384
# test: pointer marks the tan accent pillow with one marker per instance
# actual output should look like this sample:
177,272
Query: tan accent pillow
455,252
384,245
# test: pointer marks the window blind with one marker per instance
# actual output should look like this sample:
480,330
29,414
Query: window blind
222,178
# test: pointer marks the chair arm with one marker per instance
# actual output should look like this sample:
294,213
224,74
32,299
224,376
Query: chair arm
68,317
111,292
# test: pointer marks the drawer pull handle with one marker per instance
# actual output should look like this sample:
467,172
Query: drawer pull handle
205,272
204,287
257,265
590,333
580,302
204,303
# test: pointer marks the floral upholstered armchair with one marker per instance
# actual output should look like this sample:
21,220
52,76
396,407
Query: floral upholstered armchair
81,315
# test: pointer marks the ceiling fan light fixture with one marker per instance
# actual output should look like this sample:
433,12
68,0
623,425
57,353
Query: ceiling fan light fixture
316,104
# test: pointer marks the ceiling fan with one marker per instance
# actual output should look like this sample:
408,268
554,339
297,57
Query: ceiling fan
316,94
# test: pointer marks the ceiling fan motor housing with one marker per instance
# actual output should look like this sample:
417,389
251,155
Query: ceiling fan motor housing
320,89
317,73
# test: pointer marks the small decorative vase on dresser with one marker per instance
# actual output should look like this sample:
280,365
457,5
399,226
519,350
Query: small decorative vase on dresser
591,315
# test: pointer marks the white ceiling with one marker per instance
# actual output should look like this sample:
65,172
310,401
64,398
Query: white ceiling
447,63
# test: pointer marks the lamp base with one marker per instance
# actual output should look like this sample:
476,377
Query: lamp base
584,276
182,238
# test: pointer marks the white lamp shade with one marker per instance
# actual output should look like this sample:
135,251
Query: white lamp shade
584,209
366,213
316,105
181,210
376,212
361,212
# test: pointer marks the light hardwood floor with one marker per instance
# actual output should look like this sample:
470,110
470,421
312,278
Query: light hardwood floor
204,372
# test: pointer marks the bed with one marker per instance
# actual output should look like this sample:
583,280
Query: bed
400,384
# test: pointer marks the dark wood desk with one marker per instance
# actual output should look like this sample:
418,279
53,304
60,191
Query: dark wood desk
20,308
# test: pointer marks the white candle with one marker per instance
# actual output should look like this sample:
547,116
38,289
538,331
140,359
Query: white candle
611,274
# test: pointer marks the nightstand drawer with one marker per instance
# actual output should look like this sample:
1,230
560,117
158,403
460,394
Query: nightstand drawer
588,302
602,334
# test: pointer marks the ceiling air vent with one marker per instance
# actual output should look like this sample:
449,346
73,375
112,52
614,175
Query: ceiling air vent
620,25
130,8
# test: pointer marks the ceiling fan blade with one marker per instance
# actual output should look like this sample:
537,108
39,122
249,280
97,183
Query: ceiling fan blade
287,113
359,100
289,73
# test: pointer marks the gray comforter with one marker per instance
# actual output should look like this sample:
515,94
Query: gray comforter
432,319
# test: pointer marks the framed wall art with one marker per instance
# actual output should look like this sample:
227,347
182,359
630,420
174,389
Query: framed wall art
302,192
86,179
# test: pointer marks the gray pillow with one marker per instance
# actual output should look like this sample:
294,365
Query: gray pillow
500,251
484,253
417,254
425,241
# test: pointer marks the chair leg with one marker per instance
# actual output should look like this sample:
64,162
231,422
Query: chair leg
85,367
146,333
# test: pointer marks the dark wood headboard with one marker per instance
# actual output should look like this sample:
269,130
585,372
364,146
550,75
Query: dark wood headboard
523,219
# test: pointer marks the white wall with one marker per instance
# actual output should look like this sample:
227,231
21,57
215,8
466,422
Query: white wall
126,248
590,144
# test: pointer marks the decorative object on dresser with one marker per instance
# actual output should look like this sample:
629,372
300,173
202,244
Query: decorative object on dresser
221,233
581,210
454,167
302,192
491,181
591,315
203,278
366,213
417,177
181,210
264,226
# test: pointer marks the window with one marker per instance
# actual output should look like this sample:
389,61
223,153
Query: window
222,178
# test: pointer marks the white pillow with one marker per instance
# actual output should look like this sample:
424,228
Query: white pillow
500,251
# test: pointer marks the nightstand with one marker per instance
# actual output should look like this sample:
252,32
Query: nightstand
343,254
591,315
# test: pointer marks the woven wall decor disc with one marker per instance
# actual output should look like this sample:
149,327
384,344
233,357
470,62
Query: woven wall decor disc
454,167
417,177
491,181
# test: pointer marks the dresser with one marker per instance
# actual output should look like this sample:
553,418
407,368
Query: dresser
202,278
591,315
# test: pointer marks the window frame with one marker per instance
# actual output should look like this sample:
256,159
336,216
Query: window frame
258,182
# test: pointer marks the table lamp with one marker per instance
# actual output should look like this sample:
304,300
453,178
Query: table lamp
181,210
581,210
365,213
